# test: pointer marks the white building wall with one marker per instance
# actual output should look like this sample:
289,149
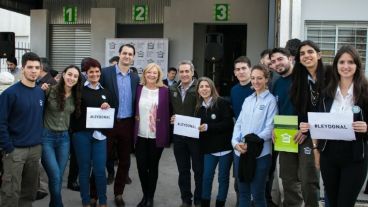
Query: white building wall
254,13
14,22
333,10
20,25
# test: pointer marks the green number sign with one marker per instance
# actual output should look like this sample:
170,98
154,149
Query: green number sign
70,14
140,13
222,12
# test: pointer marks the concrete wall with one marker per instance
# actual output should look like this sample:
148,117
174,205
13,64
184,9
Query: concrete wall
14,22
40,32
353,10
181,15
103,25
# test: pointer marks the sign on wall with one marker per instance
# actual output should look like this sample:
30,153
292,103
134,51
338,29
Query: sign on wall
140,13
222,12
70,14
147,50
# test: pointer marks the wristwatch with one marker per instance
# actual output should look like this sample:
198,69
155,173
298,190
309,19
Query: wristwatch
314,146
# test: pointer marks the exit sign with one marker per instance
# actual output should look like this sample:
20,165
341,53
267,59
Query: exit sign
70,14
222,12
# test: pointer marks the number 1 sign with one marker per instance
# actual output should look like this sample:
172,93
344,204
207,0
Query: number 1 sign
70,14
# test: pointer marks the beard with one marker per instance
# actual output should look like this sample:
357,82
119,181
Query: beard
283,72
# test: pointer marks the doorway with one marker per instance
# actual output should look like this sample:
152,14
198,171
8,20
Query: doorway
216,46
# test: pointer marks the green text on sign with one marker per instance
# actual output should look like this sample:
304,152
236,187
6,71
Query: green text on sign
222,12
140,13
70,14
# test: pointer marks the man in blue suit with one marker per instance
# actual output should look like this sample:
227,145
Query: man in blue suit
122,84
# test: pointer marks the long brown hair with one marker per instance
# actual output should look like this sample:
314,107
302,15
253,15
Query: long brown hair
214,93
359,80
76,92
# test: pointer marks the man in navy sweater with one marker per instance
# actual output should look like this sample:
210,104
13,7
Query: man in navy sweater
240,92
21,122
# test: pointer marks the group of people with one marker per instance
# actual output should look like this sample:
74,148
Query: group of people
42,121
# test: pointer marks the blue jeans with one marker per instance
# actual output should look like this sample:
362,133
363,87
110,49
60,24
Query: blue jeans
257,187
210,163
55,154
90,152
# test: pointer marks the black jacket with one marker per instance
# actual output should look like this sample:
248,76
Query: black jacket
219,120
360,144
248,160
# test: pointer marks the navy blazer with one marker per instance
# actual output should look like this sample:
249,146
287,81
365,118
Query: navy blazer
108,80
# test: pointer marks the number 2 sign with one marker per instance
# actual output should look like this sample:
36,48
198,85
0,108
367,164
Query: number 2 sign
222,12
140,13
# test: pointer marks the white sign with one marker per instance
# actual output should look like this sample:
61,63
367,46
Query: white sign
147,50
334,126
98,118
187,126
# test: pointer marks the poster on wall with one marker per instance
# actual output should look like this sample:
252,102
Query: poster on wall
147,50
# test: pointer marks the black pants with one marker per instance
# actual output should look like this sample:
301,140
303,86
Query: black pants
148,158
343,177
188,155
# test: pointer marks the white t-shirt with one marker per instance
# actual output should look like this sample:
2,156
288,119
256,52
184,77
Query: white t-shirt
148,103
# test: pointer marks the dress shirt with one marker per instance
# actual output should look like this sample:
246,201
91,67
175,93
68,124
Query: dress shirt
256,117
125,109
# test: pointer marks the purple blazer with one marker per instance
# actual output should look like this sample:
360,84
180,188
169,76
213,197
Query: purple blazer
162,120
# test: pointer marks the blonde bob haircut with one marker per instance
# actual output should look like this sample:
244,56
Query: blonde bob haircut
149,67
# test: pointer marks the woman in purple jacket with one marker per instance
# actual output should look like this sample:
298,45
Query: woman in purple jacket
151,130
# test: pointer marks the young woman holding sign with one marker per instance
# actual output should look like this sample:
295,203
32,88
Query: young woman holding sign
344,163
90,144
215,139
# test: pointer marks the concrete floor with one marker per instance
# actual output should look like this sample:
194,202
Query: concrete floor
167,193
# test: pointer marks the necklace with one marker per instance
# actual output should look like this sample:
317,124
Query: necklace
314,95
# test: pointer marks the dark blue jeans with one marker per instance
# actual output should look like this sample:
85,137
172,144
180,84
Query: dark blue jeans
55,154
255,189
210,163
90,152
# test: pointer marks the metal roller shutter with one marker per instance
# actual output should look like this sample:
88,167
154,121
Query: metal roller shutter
69,45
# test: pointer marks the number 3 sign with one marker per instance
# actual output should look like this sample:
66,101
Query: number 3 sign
140,13
222,12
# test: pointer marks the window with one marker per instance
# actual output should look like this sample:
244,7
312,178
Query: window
330,36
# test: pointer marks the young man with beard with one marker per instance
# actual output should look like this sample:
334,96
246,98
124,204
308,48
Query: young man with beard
21,124
290,163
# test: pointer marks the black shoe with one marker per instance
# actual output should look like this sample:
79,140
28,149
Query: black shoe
74,186
40,195
271,204
119,202
143,202
149,202
220,203
365,191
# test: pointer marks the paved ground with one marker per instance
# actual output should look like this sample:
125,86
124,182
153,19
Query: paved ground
167,193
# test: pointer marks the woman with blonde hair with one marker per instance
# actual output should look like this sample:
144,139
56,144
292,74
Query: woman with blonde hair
151,129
